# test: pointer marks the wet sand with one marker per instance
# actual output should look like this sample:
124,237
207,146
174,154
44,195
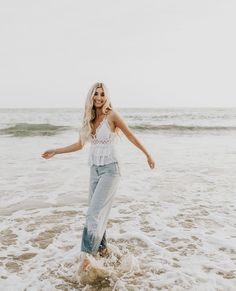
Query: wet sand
174,226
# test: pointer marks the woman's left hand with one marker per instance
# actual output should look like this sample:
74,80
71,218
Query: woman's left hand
151,162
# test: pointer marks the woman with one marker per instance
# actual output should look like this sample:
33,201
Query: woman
101,124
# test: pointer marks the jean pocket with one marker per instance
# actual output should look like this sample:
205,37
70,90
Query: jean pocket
112,169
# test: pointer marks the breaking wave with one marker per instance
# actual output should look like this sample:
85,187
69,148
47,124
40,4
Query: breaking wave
184,128
33,129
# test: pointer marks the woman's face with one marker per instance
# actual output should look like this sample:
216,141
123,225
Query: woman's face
99,98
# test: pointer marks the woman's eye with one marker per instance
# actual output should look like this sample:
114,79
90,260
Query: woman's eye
96,93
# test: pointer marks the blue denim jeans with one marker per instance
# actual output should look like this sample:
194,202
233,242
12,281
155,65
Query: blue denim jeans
103,185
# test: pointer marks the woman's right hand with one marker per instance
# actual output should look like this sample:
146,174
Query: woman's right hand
48,154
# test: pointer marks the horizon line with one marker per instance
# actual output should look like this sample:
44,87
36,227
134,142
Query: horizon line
161,107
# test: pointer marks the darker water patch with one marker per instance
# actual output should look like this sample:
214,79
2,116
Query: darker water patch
33,129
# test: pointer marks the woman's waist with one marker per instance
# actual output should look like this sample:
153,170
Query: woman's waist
102,146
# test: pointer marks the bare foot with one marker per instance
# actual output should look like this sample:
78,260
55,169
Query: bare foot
85,263
104,252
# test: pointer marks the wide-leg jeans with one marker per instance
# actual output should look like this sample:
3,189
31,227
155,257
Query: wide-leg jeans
103,185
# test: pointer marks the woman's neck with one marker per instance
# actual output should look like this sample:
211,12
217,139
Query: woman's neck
98,112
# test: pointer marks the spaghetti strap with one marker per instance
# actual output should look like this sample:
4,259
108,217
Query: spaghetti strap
105,118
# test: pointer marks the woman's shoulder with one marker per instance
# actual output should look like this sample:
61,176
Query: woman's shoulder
112,114
112,117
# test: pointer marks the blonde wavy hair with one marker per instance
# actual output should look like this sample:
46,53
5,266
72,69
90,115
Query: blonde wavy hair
90,113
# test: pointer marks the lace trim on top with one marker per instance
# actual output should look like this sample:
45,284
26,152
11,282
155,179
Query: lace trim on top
96,139
102,141
102,150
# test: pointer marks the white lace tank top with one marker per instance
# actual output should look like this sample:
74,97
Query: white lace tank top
102,145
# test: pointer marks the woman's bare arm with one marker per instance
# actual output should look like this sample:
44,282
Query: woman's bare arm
71,148
68,149
119,122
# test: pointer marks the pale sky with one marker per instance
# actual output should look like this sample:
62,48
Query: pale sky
149,53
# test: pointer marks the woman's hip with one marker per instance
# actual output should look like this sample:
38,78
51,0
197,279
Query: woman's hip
111,169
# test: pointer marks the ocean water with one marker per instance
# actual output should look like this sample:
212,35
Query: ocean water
171,228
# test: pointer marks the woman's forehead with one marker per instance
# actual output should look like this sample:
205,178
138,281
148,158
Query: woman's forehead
99,89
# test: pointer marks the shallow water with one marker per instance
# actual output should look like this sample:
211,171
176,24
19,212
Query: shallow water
175,225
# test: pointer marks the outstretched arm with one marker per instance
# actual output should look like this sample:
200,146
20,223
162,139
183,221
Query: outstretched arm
68,149
119,122
71,148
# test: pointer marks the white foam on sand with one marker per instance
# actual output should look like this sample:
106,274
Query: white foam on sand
108,270
169,229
